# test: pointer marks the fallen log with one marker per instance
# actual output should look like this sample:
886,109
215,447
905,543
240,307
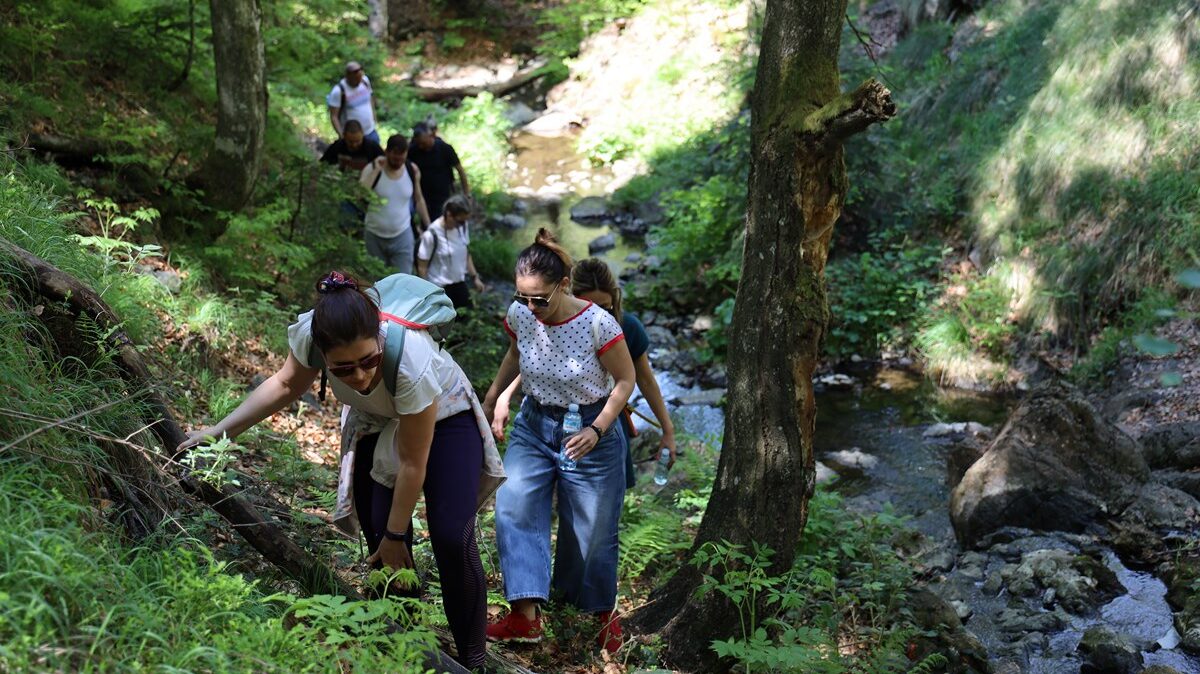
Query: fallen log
498,89
264,535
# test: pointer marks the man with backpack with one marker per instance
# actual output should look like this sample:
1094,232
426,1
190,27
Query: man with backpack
389,229
351,98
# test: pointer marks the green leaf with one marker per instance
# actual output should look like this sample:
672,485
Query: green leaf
1155,346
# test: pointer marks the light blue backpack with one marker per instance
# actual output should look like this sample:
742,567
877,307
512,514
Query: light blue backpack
406,302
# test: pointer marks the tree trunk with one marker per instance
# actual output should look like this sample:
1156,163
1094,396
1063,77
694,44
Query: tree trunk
233,163
377,19
797,187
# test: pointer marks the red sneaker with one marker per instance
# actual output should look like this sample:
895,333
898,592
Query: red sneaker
610,631
516,628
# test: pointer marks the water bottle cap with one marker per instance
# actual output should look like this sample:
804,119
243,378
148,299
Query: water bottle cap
572,407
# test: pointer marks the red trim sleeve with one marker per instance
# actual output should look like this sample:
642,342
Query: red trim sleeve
402,321
508,329
611,343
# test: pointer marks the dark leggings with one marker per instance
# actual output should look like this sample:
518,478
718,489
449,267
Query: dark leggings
451,486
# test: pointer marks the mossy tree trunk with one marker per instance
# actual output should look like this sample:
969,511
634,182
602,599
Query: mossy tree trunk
765,478
232,167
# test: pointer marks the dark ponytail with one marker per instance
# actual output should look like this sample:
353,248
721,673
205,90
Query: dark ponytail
594,274
344,313
545,258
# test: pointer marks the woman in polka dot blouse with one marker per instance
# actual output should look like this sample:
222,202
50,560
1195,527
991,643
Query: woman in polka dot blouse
567,351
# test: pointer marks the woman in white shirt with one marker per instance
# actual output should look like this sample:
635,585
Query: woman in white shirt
568,352
429,434
443,257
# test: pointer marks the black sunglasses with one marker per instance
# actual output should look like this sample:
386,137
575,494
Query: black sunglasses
538,301
369,363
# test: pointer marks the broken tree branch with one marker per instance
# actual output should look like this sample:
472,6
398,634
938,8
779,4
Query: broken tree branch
850,113
498,89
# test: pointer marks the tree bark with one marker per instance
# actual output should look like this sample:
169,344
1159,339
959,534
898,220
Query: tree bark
797,186
233,163
377,19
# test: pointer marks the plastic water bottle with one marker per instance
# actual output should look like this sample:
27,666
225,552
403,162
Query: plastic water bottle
572,424
664,464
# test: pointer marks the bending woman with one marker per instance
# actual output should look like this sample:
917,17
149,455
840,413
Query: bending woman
566,349
593,281
429,434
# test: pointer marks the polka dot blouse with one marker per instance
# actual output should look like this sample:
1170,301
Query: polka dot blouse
560,362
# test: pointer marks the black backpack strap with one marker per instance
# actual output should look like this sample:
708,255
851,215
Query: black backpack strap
342,107
377,176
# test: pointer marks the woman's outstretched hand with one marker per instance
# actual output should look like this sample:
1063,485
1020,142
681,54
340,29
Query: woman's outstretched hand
199,437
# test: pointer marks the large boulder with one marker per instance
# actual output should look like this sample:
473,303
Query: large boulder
1106,652
1056,465
1173,445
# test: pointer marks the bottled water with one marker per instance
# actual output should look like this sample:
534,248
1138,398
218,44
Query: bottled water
664,464
572,424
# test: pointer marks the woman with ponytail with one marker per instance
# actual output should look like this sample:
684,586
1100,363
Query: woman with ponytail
592,280
429,434
568,352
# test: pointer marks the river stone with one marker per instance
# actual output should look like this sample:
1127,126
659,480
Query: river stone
1161,507
711,397
1187,482
1056,465
1024,620
824,473
944,634
601,244
941,430
552,123
1173,445
510,221
962,455
660,337
590,210
519,114
854,462
1077,582
1160,669
1106,652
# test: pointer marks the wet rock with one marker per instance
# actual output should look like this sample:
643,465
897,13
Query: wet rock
1106,652
993,584
591,210
835,382
509,221
1160,669
1173,445
934,615
1077,582
972,565
711,397
962,609
824,473
961,457
601,244
552,123
1135,543
715,376
631,226
1056,465
676,361
1187,482
634,257
1024,620
660,337
519,114
942,430
939,560
1161,507
853,462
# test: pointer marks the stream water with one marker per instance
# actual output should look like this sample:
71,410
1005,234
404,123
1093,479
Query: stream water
877,418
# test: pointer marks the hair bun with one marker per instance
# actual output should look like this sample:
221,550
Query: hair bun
545,238
335,280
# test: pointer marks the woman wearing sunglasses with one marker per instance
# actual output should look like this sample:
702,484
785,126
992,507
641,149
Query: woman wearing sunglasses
429,434
592,280
567,351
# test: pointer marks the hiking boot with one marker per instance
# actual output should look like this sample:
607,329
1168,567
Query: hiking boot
516,628
610,631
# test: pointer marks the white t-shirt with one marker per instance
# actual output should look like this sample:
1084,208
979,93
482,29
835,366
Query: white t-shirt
445,251
560,362
392,216
358,103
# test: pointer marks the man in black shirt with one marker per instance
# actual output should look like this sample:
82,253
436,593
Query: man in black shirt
352,151
438,163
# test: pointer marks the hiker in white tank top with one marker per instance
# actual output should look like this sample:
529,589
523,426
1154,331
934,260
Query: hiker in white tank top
396,185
